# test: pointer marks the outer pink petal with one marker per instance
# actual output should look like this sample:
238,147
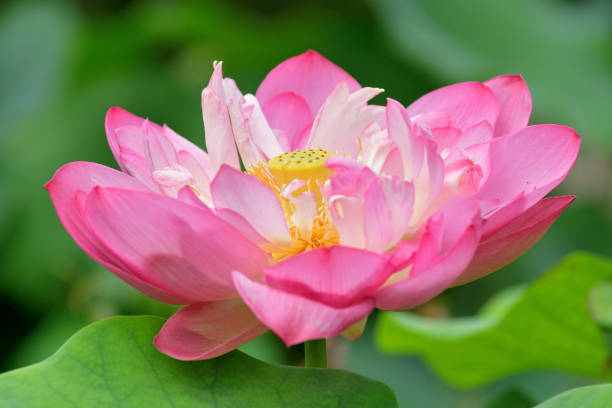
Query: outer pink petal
310,75
337,276
220,142
514,239
468,103
514,102
207,330
290,113
530,162
253,200
67,189
172,244
446,248
296,319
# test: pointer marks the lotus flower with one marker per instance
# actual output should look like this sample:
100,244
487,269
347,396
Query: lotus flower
344,206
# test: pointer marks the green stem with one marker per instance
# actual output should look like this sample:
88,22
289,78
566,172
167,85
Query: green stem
315,353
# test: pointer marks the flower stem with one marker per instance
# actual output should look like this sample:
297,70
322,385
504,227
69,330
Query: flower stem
315,353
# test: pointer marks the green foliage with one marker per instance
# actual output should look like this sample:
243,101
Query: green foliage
594,396
546,326
114,363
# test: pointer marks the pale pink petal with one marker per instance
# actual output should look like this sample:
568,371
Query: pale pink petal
387,212
514,239
347,214
207,330
514,102
296,319
172,244
411,148
446,248
530,162
68,189
337,276
467,103
252,199
343,119
428,183
290,113
219,135
309,75
259,129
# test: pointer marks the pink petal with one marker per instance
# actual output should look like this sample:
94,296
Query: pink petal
220,142
337,276
207,330
252,199
126,135
68,189
389,198
309,75
530,162
296,319
514,239
290,113
411,147
446,248
514,102
343,119
467,103
172,244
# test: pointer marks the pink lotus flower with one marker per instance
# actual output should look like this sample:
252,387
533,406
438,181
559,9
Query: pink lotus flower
344,206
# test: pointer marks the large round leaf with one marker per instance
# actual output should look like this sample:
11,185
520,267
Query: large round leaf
113,363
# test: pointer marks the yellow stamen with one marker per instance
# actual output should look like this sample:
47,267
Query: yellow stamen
308,166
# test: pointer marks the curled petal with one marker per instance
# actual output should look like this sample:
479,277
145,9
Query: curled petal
337,276
296,319
207,330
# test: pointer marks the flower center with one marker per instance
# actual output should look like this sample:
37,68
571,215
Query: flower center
308,221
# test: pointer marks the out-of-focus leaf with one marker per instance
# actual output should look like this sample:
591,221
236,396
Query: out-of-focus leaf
512,398
600,302
114,363
562,49
594,396
547,327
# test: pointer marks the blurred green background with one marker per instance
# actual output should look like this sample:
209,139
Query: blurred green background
64,63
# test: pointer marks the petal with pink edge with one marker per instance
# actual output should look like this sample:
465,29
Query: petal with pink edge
514,239
467,103
252,199
220,142
68,189
446,248
289,113
172,244
296,319
337,276
309,75
207,330
531,162
514,103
